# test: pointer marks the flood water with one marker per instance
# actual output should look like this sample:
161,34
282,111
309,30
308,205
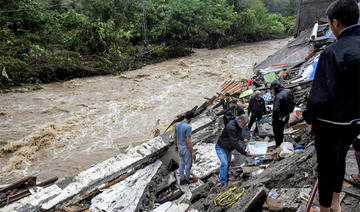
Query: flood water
67,127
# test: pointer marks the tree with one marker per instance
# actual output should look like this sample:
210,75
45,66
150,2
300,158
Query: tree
185,19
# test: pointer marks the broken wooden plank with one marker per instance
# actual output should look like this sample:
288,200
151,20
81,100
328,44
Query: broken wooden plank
352,191
26,182
15,197
119,179
235,89
226,84
230,86
47,182
232,83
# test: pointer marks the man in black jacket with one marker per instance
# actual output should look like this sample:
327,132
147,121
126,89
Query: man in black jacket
234,108
333,106
224,102
256,108
232,138
283,106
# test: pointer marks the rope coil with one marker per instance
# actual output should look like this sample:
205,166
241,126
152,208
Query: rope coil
228,197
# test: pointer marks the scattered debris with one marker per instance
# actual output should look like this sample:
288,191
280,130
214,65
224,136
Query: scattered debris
127,193
137,180
20,189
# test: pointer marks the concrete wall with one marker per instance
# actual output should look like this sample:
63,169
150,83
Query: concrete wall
309,11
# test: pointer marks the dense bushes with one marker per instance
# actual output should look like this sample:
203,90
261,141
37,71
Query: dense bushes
42,41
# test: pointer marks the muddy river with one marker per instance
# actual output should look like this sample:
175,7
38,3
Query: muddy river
69,126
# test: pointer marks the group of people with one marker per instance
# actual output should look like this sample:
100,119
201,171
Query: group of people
333,111
236,132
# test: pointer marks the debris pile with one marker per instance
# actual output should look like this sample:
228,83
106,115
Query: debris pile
145,178
20,189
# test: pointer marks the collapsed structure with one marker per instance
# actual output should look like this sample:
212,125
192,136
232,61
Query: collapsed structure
144,178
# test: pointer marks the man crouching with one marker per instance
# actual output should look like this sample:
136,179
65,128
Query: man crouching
232,138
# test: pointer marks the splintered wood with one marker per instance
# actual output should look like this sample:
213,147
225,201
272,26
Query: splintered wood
231,87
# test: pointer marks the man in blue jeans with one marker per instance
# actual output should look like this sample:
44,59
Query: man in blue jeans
232,138
183,145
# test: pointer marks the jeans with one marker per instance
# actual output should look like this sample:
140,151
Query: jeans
332,143
185,162
225,159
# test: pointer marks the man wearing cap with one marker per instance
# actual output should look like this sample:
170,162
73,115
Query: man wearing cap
283,106
234,109
232,138
182,141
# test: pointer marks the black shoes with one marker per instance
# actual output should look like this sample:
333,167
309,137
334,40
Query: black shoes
183,181
189,181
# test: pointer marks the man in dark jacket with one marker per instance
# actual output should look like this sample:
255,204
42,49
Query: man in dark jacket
232,138
224,102
257,109
283,106
234,108
333,106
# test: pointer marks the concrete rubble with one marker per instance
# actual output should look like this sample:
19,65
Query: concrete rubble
70,190
143,178
127,193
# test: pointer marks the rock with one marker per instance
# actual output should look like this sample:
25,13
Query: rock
206,162
172,207
288,173
163,207
190,189
265,128
178,208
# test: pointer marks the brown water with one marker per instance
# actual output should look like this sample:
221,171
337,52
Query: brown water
67,127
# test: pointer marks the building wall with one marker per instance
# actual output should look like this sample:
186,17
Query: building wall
309,11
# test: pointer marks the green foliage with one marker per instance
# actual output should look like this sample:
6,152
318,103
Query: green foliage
12,64
187,19
62,59
290,24
257,21
283,7
126,14
42,41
